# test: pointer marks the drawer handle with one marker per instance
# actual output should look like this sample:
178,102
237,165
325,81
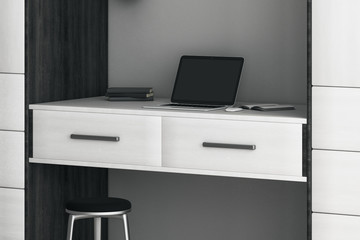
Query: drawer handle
231,146
95,138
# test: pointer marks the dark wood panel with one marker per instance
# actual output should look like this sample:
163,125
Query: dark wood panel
66,58
309,118
49,188
66,49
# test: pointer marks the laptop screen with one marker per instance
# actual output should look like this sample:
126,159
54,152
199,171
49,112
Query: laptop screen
207,80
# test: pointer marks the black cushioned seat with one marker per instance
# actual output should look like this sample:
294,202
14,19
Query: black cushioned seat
98,205
97,208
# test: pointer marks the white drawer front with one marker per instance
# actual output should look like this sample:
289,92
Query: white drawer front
12,159
336,182
140,137
12,40
335,42
278,146
12,102
335,227
12,217
336,118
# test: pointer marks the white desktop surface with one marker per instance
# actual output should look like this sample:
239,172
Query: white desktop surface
101,105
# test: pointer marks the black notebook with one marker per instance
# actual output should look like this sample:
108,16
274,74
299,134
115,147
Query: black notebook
138,95
128,90
130,94
115,99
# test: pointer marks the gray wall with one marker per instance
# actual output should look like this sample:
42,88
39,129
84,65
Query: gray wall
147,38
190,207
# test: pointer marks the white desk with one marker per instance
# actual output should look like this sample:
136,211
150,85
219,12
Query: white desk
169,140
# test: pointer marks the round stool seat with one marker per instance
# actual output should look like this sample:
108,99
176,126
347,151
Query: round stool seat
98,205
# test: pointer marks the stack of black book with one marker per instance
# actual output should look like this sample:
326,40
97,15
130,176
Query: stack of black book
130,94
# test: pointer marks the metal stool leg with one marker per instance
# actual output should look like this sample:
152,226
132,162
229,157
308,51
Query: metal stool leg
97,228
70,227
126,227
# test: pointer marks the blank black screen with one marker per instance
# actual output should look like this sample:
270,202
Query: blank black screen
207,80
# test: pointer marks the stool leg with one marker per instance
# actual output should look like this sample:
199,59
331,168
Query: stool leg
97,228
126,227
70,227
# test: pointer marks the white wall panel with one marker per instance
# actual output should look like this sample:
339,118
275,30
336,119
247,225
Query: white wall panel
12,217
336,42
12,159
12,101
12,38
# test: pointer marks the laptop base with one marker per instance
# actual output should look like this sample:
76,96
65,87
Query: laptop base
189,107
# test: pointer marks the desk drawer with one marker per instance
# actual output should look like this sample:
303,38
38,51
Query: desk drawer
12,214
336,182
193,143
139,137
336,118
12,158
335,227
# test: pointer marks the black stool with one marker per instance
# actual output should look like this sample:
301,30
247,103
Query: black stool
97,208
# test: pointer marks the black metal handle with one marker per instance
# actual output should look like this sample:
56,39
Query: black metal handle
95,138
231,146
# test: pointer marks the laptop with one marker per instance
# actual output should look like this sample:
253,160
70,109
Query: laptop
205,83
